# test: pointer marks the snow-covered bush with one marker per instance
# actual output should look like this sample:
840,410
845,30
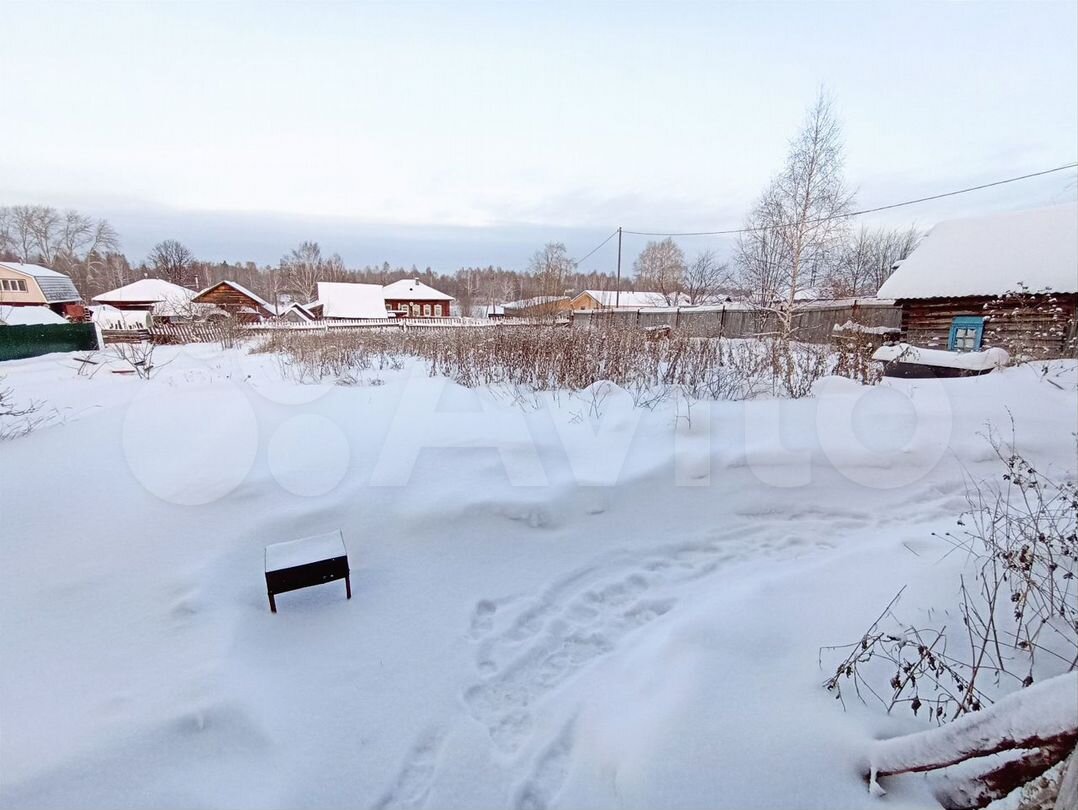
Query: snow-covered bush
1018,610
556,358
16,419
1018,607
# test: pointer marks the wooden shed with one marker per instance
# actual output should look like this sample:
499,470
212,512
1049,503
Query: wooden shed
1006,280
237,301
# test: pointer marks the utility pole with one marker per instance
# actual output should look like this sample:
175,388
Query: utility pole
617,288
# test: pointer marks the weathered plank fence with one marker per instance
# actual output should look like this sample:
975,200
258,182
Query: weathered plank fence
811,322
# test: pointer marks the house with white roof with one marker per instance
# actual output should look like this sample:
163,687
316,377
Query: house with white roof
626,300
162,299
411,298
343,300
23,285
537,307
1006,280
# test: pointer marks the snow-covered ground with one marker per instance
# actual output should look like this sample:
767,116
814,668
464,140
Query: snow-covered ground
558,600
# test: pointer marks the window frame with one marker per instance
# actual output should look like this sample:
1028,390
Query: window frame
963,323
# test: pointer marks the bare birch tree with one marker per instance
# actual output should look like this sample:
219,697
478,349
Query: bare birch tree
301,270
660,268
705,278
798,223
550,267
866,260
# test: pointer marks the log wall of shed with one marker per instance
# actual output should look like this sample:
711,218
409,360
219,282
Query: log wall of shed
231,300
1045,326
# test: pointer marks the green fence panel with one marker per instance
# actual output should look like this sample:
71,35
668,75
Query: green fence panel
17,342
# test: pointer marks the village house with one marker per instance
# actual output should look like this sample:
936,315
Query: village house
1007,280
625,300
24,284
238,301
342,300
162,299
411,298
541,306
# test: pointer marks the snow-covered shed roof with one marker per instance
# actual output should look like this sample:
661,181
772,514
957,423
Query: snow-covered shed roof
992,255
164,297
537,301
56,287
146,290
109,317
346,300
28,316
632,300
412,289
300,309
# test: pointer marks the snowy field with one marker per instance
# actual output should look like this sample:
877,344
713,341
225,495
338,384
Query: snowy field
558,600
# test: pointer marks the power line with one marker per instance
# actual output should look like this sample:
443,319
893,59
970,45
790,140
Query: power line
732,231
578,262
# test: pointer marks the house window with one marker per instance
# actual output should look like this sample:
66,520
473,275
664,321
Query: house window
13,285
415,310
438,310
426,310
966,334
403,308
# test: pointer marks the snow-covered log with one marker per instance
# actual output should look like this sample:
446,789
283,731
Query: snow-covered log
1068,785
1041,719
972,789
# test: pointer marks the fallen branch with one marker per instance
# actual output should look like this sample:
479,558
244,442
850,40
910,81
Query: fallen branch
977,790
1043,716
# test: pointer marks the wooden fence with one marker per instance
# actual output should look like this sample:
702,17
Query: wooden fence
811,322
814,322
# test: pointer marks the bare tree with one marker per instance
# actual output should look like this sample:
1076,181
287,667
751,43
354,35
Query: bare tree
551,267
660,267
172,261
705,278
866,260
798,223
301,270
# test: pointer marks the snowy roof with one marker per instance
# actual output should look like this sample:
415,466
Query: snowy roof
992,255
109,317
302,309
537,301
56,287
412,289
345,300
146,290
631,300
165,297
29,316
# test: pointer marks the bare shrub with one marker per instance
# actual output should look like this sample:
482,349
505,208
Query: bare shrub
1019,606
552,358
1043,331
138,357
17,420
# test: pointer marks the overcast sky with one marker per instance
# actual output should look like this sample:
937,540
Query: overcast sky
458,133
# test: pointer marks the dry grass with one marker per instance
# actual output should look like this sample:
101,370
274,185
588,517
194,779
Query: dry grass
551,358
